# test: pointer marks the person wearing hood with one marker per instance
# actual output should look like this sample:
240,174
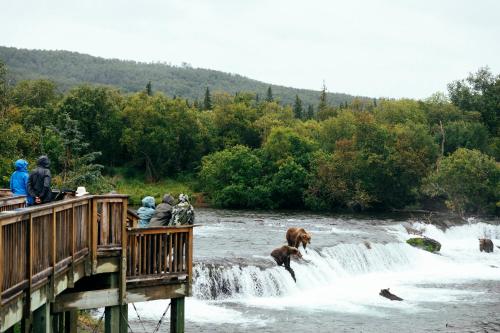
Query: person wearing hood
163,212
39,181
146,211
19,179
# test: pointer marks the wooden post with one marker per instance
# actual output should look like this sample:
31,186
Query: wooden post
42,320
71,319
123,261
115,317
177,315
52,293
1,263
29,270
93,249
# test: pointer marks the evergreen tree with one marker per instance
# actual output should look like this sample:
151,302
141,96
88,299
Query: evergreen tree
196,104
257,98
3,85
149,89
322,98
269,97
78,165
297,107
310,111
207,102
375,102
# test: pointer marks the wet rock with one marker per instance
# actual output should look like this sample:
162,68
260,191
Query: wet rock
485,245
424,243
387,294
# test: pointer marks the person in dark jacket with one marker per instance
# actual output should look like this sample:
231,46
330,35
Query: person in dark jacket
163,212
39,181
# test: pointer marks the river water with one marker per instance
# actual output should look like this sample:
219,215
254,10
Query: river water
238,288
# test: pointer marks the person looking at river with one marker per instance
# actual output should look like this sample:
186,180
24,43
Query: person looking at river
146,211
163,212
39,182
19,180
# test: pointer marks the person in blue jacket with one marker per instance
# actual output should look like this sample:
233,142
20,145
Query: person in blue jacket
19,180
146,212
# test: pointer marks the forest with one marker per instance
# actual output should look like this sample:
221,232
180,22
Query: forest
70,69
245,151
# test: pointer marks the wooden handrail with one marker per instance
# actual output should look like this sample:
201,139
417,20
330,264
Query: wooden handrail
48,239
12,202
39,244
160,252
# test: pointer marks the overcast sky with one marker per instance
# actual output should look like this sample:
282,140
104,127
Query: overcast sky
391,48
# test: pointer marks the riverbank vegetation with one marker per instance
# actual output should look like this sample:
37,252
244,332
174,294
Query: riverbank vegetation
246,151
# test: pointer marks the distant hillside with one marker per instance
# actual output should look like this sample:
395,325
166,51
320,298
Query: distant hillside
68,69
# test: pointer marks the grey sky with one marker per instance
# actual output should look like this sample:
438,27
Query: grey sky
393,48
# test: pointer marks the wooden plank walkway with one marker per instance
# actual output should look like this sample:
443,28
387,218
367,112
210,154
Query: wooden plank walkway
45,250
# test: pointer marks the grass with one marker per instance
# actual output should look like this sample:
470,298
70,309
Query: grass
87,323
137,188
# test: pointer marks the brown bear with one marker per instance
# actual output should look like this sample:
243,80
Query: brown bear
485,245
296,236
282,257
387,294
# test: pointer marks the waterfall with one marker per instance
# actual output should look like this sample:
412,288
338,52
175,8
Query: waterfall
319,267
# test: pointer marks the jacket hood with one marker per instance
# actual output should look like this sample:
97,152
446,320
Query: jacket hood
168,199
21,165
43,161
148,202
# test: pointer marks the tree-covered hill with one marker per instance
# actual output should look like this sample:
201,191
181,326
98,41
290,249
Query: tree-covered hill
68,69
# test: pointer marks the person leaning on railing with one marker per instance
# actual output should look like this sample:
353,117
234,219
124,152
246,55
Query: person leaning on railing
163,212
39,182
183,212
146,211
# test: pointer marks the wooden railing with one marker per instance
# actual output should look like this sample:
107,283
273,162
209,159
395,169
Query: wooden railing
11,203
41,243
159,252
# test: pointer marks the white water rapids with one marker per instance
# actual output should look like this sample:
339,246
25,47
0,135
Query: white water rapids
344,277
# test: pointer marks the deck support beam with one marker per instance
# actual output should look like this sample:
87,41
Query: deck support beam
70,320
115,317
177,315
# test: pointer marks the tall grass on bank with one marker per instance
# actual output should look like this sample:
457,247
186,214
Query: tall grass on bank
137,188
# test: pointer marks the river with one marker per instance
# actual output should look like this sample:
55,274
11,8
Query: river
238,288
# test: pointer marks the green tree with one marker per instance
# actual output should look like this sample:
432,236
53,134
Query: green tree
3,86
149,89
323,103
207,101
232,178
469,179
269,95
78,167
310,112
97,110
479,92
297,107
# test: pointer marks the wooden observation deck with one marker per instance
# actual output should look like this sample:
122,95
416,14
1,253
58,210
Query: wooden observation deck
85,253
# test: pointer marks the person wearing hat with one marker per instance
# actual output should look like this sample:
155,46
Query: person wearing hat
81,191
39,182
163,212
146,211
19,180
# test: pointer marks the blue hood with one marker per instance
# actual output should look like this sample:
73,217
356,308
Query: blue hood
21,165
148,202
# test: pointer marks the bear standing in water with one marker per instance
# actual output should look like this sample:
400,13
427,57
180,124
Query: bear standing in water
282,257
296,236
